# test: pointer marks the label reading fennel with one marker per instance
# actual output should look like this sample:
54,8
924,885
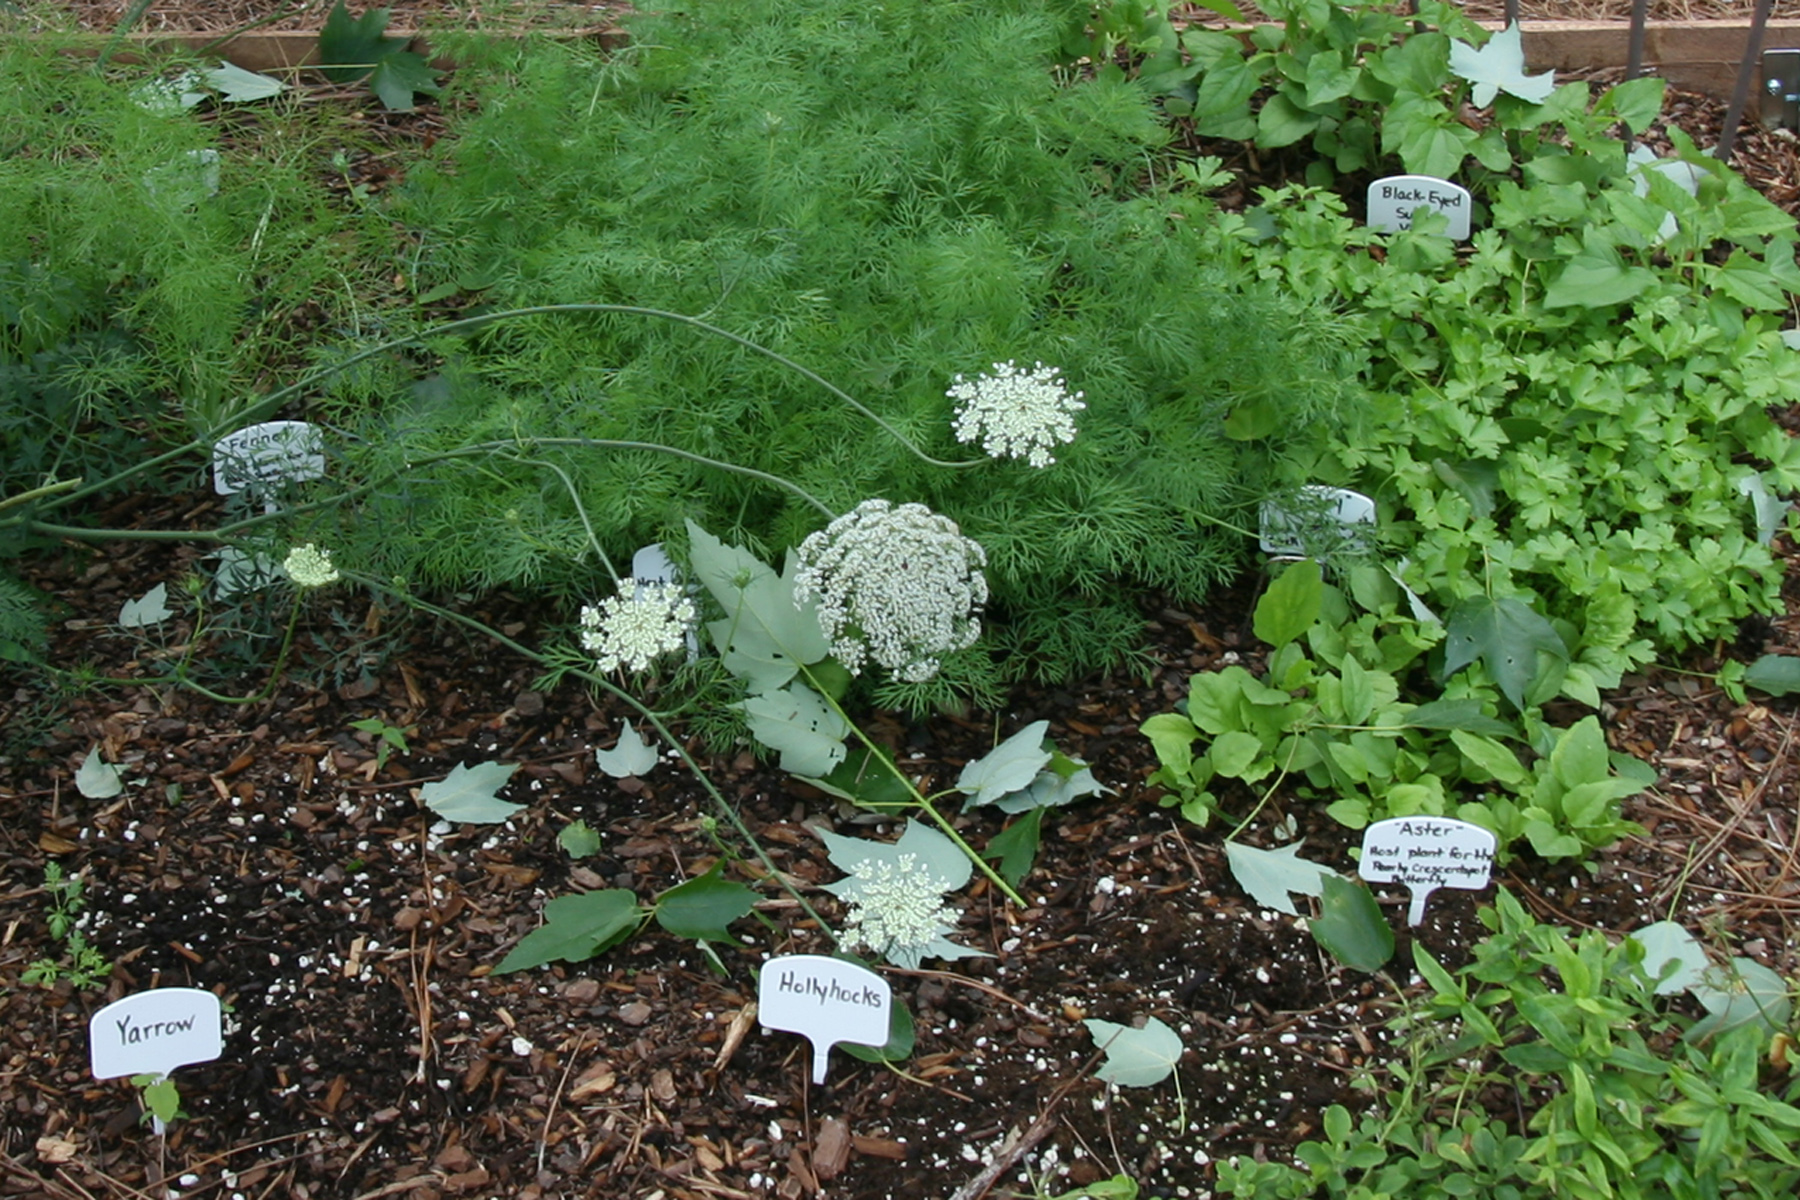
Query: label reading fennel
824,1000
152,1033
273,452
1426,853
1392,202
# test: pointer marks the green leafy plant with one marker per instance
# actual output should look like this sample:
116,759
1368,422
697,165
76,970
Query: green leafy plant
354,48
79,962
1548,1067
389,738
1337,726
161,1100
578,927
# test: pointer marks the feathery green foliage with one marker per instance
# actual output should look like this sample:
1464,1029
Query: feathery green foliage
888,195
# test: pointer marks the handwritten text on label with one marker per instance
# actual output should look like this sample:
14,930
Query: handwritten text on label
824,1000
1427,853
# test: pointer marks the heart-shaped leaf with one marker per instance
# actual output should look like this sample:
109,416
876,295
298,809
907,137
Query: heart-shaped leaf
149,609
1269,875
632,755
700,909
1136,1057
576,928
1012,766
98,779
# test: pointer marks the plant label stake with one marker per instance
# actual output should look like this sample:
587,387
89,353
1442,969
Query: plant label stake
653,565
1321,518
1392,202
152,1033
1425,854
257,457
824,1000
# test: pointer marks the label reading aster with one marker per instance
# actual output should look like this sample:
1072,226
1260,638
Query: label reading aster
1427,853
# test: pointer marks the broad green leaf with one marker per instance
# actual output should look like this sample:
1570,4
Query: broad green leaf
1670,948
920,851
1356,692
1269,875
1009,767
351,46
1499,66
1456,714
398,76
1596,277
238,86
98,779
1493,759
1776,674
764,638
1748,993
1427,145
901,1038
579,839
1281,122
1474,481
1172,737
149,609
1015,847
469,793
1053,790
1350,926
702,908
862,778
1135,1057
163,1099
1505,635
795,720
1581,755
631,755
1637,102
1233,754
576,928
1292,603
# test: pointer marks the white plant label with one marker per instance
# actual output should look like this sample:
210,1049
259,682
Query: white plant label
1392,202
272,452
154,1032
1283,532
824,1000
1425,854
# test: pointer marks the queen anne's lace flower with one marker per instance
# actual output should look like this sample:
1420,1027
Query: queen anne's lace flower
901,586
638,626
898,909
310,567
1016,413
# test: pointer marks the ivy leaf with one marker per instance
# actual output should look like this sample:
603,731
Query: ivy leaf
701,908
468,793
631,755
927,847
797,721
1015,847
1499,66
1269,875
1749,994
98,779
1596,277
1010,767
1505,635
579,839
149,609
1666,944
1135,1057
1776,674
400,74
765,636
350,47
1350,926
238,86
576,928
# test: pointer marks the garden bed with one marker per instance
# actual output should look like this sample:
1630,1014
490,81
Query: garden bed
278,853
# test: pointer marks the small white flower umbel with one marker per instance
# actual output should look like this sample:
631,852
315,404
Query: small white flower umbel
638,626
310,567
1016,413
897,909
899,586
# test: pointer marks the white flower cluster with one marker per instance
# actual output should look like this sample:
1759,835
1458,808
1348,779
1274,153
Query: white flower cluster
898,910
1016,413
638,626
901,586
310,567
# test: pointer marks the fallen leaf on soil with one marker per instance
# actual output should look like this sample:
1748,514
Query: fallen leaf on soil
55,1150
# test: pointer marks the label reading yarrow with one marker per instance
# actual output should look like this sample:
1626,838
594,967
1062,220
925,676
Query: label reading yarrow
1427,853
1392,202
152,1033
824,1000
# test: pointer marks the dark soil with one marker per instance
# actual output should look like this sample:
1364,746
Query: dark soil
266,852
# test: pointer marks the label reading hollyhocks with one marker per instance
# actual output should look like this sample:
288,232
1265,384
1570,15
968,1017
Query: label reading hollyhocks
1427,853
1394,200
824,1000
